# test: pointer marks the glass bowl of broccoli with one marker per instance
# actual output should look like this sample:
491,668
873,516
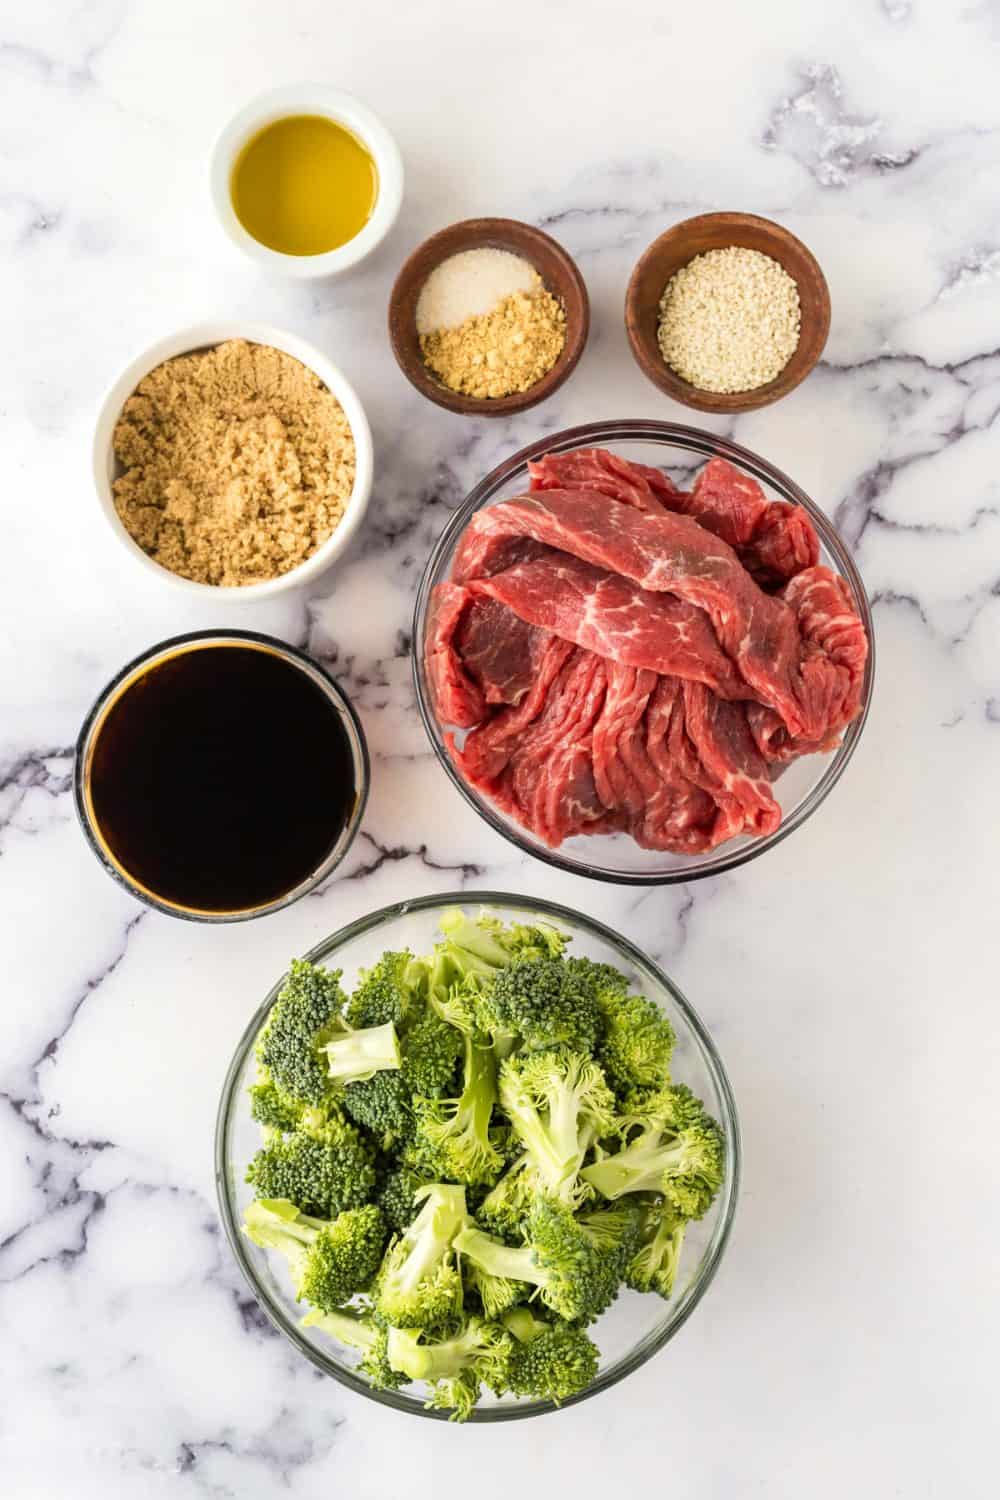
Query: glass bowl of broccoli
477,1157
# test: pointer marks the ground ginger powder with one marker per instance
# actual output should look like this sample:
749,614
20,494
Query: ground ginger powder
503,351
238,463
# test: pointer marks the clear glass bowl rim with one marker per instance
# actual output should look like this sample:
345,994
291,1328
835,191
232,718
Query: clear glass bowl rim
313,670
729,1123
706,444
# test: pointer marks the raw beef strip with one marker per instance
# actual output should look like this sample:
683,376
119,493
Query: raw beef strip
694,736
784,544
597,469
547,782
478,653
671,553
582,763
773,540
729,760
774,742
488,748
829,625
825,611
623,780
661,808
456,697
695,821
480,555
499,651
550,776
570,775
613,616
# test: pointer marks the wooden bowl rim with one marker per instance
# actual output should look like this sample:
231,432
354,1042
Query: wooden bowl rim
502,234
791,253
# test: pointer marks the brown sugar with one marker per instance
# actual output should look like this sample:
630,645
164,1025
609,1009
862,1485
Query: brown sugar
238,463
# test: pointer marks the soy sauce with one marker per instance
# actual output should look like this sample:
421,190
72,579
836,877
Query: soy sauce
222,778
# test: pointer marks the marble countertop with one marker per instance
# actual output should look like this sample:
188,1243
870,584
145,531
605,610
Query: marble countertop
849,978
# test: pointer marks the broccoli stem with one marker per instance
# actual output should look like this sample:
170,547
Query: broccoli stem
358,1055
441,1361
553,1143
348,1328
431,1232
498,1259
522,1323
460,1128
640,1167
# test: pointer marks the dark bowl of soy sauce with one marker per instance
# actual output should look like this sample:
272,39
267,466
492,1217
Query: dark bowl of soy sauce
221,776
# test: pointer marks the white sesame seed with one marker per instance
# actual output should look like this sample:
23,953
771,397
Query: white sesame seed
729,320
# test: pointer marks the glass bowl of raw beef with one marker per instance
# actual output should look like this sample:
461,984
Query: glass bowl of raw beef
642,653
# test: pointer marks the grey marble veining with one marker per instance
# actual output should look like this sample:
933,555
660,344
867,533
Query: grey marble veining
849,978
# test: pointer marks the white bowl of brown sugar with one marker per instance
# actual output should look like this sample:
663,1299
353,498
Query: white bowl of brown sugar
233,459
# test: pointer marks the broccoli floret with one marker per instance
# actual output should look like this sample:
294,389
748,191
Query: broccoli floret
455,996
653,1267
678,1153
637,1039
576,1265
431,1049
272,1109
495,1293
544,1003
420,1284
550,1360
456,1366
397,1196
396,990
330,1260
453,1135
386,991
322,1173
558,1104
473,952
302,1019
667,1108
493,944
614,1229
406,1049
507,1204
383,1105
366,1334
365,1066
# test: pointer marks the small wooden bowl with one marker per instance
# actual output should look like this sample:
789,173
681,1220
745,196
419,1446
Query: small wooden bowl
557,270
715,232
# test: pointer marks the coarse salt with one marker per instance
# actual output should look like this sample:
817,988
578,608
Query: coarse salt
470,285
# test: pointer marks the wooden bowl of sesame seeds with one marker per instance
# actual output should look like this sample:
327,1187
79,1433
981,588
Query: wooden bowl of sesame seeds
559,276
729,356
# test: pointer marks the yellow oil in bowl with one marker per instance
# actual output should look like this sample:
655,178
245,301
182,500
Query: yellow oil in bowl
304,185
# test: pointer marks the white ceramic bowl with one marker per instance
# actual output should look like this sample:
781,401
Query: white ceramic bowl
309,99
205,336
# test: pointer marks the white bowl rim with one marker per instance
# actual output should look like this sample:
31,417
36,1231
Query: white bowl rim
345,109
206,336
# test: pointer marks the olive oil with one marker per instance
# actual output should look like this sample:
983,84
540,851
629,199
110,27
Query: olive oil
304,185
221,778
